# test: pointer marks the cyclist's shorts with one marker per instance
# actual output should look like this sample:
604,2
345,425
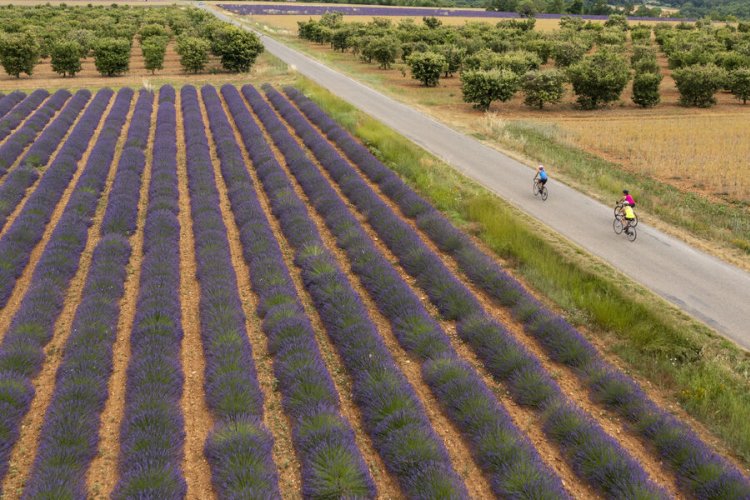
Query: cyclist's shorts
542,181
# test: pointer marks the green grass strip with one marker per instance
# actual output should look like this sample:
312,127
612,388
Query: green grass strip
707,374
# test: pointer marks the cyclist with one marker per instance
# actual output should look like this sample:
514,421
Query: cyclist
541,176
628,215
626,197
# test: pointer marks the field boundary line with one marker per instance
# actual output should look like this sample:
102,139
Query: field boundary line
460,455
102,474
386,483
571,385
198,418
24,281
25,448
274,416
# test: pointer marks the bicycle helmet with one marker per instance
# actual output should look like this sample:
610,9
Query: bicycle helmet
625,191
625,204
541,167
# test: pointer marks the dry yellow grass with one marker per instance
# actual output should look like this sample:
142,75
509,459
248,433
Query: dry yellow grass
706,153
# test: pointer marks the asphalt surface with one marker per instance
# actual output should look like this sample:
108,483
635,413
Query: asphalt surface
705,287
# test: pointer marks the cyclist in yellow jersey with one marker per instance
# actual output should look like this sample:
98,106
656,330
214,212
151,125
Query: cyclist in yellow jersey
629,216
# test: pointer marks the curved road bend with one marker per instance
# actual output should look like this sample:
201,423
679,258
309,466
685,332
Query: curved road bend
707,288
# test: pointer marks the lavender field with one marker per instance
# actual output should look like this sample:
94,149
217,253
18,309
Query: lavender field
220,293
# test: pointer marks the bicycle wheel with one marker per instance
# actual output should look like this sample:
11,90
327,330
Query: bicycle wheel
635,221
544,193
617,225
535,188
631,234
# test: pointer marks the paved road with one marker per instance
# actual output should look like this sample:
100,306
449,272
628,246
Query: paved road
707,288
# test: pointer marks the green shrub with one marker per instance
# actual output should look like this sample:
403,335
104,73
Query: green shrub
153,49
739,84
237,48
568,52
193,53
384,51
426,67
19,53
482,87
542,87
599,78
646,89
112,56
699,83
65,57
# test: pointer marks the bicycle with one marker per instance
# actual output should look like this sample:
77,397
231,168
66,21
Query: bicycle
540,189
619,226
619,211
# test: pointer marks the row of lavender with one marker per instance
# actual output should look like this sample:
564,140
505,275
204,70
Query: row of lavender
22,351
332,466
239,446
24,135
331,463
594,455
504,453
8,102
393,414
27,230
69,435
701,471
348,10
152,431
26,173
20,112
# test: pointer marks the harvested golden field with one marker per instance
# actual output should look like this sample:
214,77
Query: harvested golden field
705,152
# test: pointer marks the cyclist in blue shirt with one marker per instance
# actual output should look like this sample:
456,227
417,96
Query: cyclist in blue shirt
541,176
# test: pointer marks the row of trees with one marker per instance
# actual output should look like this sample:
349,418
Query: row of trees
81,32
597,60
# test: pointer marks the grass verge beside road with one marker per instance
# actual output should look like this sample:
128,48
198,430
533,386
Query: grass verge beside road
709,376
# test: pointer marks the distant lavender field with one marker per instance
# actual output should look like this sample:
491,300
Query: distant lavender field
351,10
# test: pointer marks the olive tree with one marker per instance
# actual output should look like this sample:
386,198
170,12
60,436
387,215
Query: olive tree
646,89
542,87
193,53
19,53
482,87
112,56
237,48
699,83
426,67
383,50
153,50
739,84
65,57
599,78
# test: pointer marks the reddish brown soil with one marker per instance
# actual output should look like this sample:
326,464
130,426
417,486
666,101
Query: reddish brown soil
25,448
387,484
198,419
459,452
102,474
274,418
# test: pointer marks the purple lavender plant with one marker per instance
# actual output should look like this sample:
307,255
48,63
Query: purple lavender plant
22,350
561,340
